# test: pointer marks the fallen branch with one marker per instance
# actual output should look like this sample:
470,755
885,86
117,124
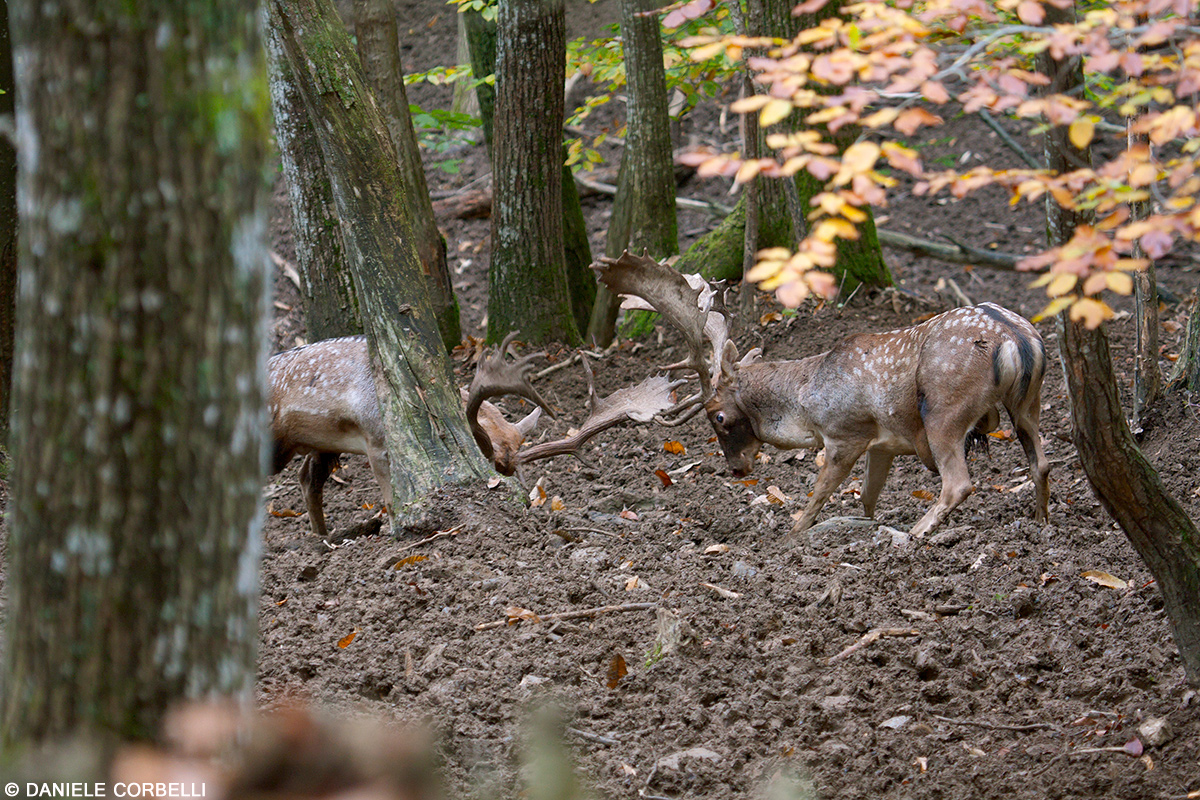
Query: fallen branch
390,560
955,252
716,209
587,612
872,636
1007,138
1036,726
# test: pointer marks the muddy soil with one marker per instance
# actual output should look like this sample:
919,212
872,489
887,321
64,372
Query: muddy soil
1000,667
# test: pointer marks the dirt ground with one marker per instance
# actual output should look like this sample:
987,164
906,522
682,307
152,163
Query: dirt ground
1015,677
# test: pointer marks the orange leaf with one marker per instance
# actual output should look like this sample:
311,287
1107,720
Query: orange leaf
629,515
616,670
404,562
674,448
345,641
287,512
921,494
664,477
1004,435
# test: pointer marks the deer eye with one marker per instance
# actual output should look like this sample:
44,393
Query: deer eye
720,418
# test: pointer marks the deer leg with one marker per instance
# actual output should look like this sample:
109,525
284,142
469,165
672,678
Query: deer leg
377,457
878,465
839,460
314,471
956,483
1026,425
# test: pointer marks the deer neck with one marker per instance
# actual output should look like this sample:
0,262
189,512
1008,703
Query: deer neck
774,395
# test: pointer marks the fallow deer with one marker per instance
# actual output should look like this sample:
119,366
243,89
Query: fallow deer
322,403
921,390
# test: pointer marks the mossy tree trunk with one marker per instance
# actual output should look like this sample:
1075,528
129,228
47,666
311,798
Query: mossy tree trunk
330,305
528,289
1124,481
427,436
859,261
8,229
139,418
379,48
643,215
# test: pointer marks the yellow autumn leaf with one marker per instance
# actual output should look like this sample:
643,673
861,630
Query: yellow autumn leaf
763,270
1056,305
752,102
1080,132
774,111
1119,282
705,52
1062,283
1090,312
1104,579
747,171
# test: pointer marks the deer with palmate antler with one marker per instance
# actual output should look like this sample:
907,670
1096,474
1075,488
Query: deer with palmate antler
926,390
322,403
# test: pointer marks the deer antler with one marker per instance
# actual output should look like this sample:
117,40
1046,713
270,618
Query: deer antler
640,403
688,302
497,376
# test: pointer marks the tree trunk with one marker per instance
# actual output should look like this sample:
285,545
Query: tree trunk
138,431
8,229
528,289
1186,374
1125,483
330,305
718,255
423,417
577,250
481,47
643,215
1147,377
379,49
859,261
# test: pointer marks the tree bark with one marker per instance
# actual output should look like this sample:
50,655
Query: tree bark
481,47
1147,377
379,48
528,289
643,215
330,305
428,440
138,431
8,229
1125,483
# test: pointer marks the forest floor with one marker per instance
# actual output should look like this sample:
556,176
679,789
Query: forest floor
1015,668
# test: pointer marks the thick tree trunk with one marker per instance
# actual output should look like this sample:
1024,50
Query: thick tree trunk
644,209
428,441
139,413
379,49
528,289
330,305
8,229
859,261
1125,483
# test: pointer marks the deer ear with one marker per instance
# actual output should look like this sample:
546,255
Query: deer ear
751,357
729,362
529,422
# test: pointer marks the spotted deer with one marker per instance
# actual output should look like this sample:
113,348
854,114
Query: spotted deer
322,403
926,390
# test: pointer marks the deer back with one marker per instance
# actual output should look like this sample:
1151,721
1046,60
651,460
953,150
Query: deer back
321,398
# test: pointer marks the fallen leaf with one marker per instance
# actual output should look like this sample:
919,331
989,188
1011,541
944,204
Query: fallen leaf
368,506
675,448
537,495
628,770
635,583
616,670
287,512
1134,746
716,549
557,504
770,316
515,614
921,494
724,593
281,602
1104,579
345,641
748,482
921,763
627,514
775,496
494,481
664,477
1004,435
404,562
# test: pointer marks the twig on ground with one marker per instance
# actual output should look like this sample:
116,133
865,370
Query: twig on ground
1080,752
720,592
592,737
1036,726
390,560
715,209
1007,138
955,252
566,362
586,612
871,636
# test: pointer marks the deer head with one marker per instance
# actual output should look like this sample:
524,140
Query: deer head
730,421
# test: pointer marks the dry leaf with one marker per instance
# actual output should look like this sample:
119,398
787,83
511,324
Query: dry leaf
724,593
770,316
715,549
287,512
515,614
404,562
748,482
634,583
557,504
1104,579
627,514
345,641
775,496
494,481
616,670
537,495
628,770
664,477
921,494
1005,435
674,448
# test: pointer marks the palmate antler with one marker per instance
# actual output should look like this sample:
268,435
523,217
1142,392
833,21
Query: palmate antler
640,403
687,302
497,438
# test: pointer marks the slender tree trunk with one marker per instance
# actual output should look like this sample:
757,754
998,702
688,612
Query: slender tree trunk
427,436
1147,377
644,208
379,48
1125,483
528,290
8,229
330,305
481,47
138,430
